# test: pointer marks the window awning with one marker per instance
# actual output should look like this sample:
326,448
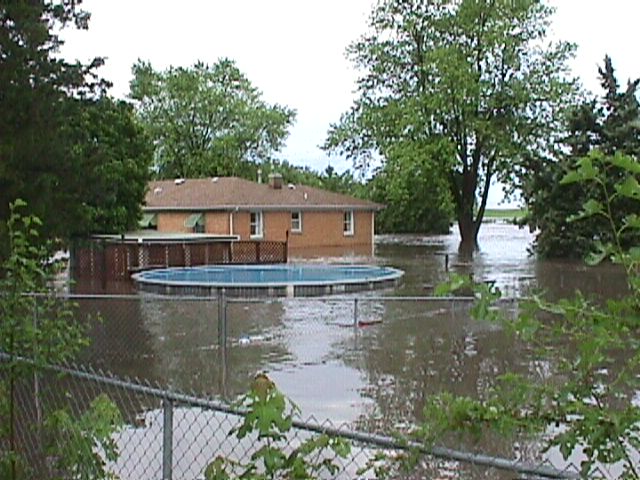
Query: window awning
148,220
193,220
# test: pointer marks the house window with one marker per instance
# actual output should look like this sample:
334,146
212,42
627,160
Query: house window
347,223
255,225
195,222
296,222
149,221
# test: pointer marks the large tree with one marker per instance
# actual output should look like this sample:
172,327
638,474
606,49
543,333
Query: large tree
400,185
609,124
33,86
71,153
111,156
477,74
207,119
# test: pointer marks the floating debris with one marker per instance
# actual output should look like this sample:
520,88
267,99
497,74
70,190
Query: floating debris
249,339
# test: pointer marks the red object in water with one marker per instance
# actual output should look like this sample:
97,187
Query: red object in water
366,323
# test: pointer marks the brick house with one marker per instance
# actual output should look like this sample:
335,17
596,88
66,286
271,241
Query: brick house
316,222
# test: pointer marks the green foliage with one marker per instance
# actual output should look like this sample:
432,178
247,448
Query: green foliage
614,210
81,447
269,418
37,329
65,148
610,127
447,413
485,294
400,184
471,74
206,120
37,325
507,214
328,179
343,182
114,156
586,398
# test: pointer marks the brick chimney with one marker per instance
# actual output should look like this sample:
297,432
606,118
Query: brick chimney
275,181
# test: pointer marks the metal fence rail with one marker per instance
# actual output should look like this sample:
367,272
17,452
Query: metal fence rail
212,348
172,435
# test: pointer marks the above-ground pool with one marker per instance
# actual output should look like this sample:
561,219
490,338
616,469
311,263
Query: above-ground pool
267,280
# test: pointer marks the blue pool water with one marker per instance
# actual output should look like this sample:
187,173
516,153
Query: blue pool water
268,275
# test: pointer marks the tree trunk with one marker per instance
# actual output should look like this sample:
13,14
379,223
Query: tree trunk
466,222
468,234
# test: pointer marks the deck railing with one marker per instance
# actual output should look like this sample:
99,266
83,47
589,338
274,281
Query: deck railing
117,260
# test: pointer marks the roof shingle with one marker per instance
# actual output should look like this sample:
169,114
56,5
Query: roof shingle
225,193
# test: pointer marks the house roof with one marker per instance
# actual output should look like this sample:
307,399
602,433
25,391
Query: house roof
231,193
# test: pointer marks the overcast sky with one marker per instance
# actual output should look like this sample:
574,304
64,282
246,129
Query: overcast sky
293,50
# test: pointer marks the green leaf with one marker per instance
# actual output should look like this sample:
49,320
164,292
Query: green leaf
571,177
590,208
584,171
634,254
456,282
341,447
270,415
78,441
632,221
217,470
597,256
630,188
626,162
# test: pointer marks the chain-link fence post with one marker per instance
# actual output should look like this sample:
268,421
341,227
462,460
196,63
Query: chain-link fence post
222,318
355,312
167,439
36,380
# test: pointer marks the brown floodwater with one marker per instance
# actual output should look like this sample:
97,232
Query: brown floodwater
309,346
374,377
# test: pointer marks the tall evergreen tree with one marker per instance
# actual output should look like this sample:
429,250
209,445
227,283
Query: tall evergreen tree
609,124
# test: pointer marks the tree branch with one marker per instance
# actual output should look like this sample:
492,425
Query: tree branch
485,191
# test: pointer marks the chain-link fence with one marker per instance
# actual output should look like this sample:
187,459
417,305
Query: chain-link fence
171,435
178,341
363,364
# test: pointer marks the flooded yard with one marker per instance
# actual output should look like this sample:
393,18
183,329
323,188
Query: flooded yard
374,373
373,376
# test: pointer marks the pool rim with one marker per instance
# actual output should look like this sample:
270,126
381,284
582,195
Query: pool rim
395,275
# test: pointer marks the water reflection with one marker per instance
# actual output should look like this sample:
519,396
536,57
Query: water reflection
375,376
503,258
319,333
120,341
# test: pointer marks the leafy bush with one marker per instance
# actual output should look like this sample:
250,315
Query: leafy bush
586,402
36,329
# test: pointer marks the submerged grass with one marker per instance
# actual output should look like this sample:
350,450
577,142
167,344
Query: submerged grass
504,213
